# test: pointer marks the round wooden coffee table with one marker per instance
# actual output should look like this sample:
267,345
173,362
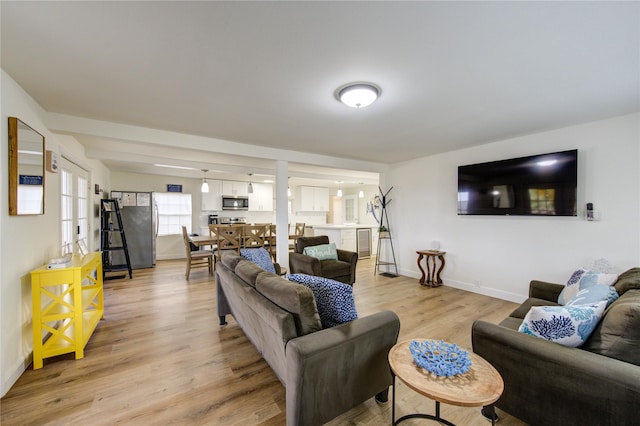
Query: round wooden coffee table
482,385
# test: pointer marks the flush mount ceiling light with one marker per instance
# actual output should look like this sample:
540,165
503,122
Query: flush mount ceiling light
205,185
358,95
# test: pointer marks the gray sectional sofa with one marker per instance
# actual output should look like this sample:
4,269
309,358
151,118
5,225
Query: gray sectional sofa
546,383
325,371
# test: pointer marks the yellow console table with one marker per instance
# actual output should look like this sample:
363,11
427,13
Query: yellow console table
68,303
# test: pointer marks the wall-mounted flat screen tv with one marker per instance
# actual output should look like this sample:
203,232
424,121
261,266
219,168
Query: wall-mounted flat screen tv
538,185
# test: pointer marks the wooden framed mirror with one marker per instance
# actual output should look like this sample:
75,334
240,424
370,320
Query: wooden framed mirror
26,169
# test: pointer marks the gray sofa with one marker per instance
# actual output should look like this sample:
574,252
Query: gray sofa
325,371
550,384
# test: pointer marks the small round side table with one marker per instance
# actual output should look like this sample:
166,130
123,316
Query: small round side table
482,385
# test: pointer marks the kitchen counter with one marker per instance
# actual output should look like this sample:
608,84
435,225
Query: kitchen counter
347,237
354,226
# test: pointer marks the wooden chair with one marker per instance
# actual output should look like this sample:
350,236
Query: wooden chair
196,259
254,236
297,233
271,241
229,237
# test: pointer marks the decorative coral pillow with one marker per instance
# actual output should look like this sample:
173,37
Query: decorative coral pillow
582,279
594,294
566,325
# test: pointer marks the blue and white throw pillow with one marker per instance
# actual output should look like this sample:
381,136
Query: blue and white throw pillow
582,279
260,257
334,299
594,294
566,325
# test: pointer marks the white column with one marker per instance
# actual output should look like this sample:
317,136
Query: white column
282,213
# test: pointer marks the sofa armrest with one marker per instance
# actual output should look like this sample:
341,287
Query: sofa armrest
547,383
347,256
332,370
303,264
545,291
350,257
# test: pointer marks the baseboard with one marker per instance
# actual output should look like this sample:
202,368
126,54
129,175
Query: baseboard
9,380
171,257
486,291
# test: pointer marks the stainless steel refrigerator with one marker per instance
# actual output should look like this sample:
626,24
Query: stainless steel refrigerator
139,213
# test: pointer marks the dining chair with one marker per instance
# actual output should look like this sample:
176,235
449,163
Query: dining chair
196,259
229,237
271,241
254,236
297,233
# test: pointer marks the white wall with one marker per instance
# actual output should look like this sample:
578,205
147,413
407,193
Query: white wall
29,241
169,246
499,255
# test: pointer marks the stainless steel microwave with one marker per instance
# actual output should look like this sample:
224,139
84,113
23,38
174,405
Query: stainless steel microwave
235,202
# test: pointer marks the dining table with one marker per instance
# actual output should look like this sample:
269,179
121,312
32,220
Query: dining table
202,240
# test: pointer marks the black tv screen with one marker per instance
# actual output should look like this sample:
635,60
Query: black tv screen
538,185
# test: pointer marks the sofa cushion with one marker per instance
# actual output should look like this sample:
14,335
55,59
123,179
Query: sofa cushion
260,257
230,258
566,325
586,279
335,268
629,280
522,310
248,271
322,251
334,299
594,294
618,334
292,297
511,323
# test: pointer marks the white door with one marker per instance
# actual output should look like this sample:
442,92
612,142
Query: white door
74,206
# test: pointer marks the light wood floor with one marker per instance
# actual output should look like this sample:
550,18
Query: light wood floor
159,357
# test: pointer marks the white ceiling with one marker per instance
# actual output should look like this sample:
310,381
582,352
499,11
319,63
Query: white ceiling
453,74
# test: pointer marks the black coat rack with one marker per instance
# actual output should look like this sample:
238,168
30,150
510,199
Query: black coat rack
384,234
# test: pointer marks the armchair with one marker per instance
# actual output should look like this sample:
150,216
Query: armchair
342,269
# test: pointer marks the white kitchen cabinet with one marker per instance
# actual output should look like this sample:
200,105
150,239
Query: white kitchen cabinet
262,198
232,187
348,239
313,198
212,200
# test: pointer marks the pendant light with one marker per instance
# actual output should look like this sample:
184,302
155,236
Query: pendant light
288,188
339,193
250,187
205,185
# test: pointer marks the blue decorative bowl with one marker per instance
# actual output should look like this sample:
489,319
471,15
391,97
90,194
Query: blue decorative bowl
439,357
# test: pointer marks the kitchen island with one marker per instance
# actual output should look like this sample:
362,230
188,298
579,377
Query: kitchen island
362,239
